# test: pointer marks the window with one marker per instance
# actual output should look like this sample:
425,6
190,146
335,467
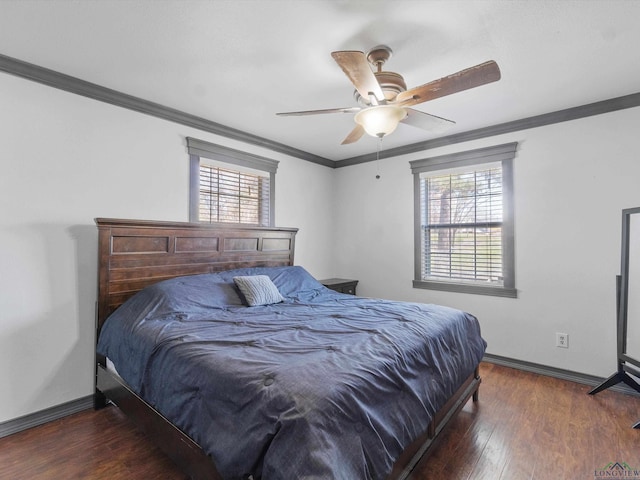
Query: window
464,222
230,186
231,196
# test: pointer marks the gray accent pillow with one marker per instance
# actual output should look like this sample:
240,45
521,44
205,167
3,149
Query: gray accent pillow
258,290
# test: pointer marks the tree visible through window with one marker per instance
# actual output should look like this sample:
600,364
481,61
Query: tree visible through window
464,235
462,232
230,186
231,196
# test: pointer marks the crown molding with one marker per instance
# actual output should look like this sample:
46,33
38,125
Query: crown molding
77,86
61,81
574,113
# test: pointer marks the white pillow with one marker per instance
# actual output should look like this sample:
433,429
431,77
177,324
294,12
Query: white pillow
258,290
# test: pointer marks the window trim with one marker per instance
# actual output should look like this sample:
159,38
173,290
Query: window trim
504,154
199,148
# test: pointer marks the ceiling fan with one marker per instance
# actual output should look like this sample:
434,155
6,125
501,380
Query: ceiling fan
383,99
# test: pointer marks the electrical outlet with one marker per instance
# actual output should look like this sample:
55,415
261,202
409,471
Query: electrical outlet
562,340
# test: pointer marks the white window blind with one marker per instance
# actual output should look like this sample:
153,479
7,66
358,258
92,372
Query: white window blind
231,196
462,225
230,186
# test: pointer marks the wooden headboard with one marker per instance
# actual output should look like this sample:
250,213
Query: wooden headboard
133,254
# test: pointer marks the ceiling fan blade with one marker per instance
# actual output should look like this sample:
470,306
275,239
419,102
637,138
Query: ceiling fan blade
317,112
354,135
426,121
469,78
356,66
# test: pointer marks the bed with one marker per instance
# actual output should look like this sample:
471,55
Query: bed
292,380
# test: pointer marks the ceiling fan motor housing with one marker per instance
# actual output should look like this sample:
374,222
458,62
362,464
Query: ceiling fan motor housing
391,84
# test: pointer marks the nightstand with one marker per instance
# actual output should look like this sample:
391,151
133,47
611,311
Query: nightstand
341,285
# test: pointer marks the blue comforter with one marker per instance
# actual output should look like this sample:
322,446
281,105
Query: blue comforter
321,386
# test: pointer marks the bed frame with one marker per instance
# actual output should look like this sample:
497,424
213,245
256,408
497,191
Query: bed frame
133,254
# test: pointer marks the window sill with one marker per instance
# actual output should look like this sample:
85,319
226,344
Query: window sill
467,288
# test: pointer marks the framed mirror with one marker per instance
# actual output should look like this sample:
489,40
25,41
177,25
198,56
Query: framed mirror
628,307
631,290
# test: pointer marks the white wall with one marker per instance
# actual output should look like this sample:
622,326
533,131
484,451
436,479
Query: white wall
65,160
571,182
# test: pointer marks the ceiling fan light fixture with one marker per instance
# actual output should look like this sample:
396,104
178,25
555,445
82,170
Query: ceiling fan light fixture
382,96
380,120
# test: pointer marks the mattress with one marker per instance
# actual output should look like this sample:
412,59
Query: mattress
320,385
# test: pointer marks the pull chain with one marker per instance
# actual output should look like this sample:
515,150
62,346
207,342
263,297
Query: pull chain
378,159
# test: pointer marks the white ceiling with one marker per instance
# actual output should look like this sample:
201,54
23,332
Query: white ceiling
238,62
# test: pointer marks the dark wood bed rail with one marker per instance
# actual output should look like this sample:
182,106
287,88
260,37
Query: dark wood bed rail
133,254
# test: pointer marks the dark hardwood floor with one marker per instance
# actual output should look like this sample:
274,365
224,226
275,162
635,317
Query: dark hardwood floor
525,426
